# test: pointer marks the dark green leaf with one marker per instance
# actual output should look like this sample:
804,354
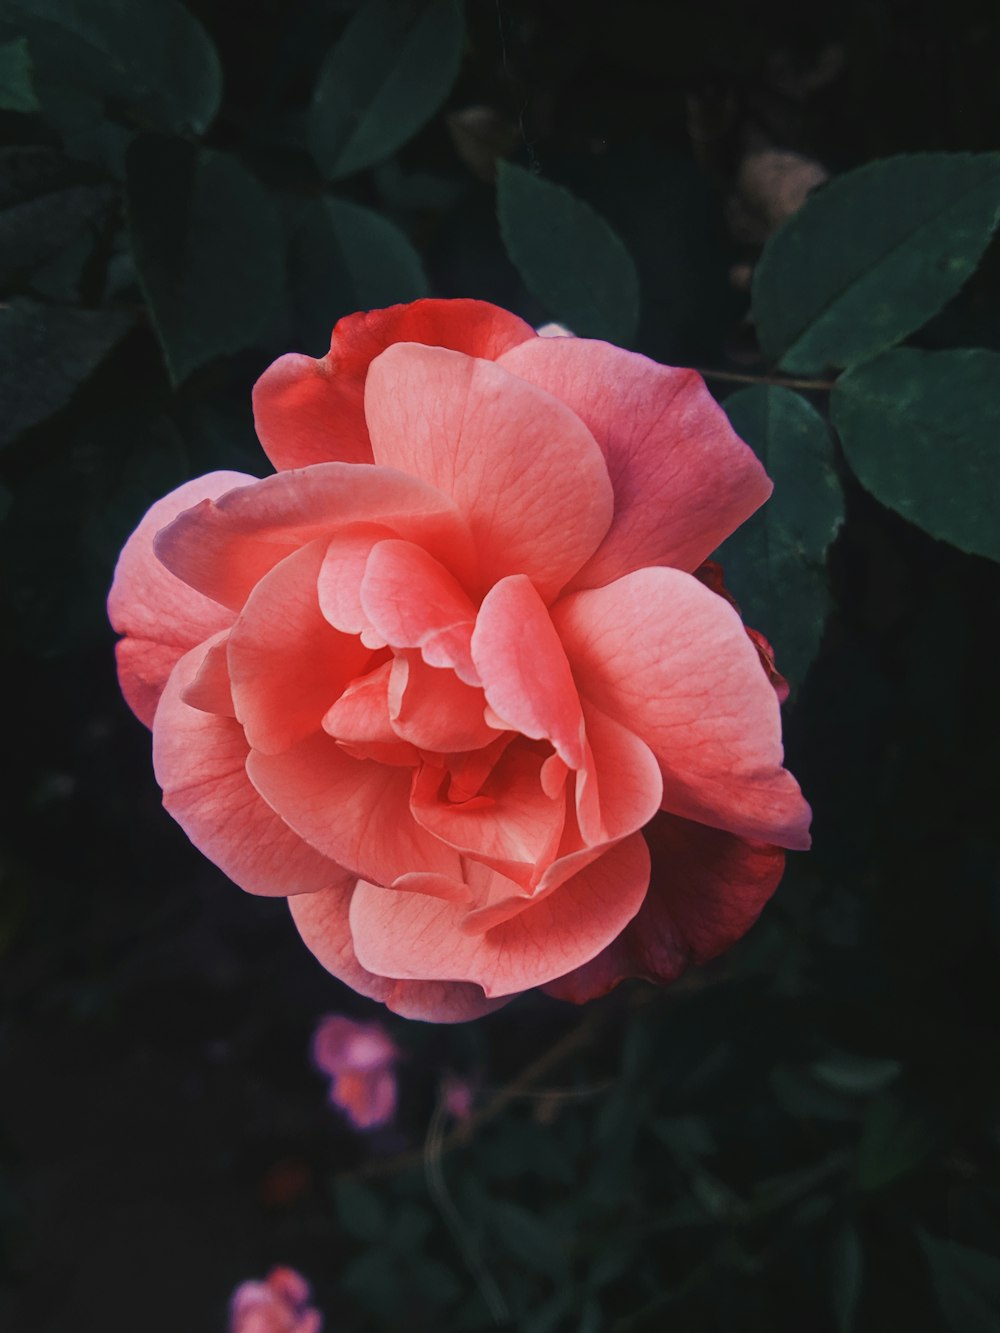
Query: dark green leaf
775,564
920,432
966,1283
568,255
894,1139
527,1238
846,1271
47,352
17,92
872,256
207,249
344,258
360,1210
390,71
855,1075
41,212
155,56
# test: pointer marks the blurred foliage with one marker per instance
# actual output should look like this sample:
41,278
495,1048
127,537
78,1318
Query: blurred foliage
804,1135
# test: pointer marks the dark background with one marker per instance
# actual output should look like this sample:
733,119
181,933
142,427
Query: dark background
803,1135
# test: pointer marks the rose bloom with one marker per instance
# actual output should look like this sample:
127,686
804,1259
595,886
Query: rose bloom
279,1304
452,674
360,1059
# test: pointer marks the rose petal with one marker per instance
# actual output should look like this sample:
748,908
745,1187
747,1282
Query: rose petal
434,710
355,811
312,411
287,663
707,888
414,602
526,677
162,617
409,935
211,690
199,760
683,479
322,921
225,548
522,468
664,656
339,583
619,789
511,825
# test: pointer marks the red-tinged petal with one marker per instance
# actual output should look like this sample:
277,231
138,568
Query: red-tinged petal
340,1043
199,760
414,602
162,617
211,689
322,921
522,468
434,710
312,411
526,677
707,888
359,721
367,1096
287,663
669,660
412,935
224,548
683,479
510,825
358,807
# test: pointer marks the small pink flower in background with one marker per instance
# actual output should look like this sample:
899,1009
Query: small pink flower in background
279,1304
360,1058
458,1097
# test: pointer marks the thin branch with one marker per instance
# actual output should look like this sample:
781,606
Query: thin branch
782,381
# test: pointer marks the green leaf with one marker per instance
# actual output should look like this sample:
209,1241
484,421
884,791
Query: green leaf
872,256
39,218
47,352
846,1273
775,563
344,258
360,1210
527,1238
17,93
389,72
155,56
894,1139
920,431
207,249
568,255
855,1075
966,1283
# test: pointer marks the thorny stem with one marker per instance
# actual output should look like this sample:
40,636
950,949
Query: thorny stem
782,381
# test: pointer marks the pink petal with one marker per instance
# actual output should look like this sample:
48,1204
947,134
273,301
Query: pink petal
225,548
162,617
340,579
341,1043
367,1096
706,890
312,411
287,663
521,467
433,710
211,690
526,677
415,936
665,657
414,602
620,788
199,760
322,921
512,825
683,480
355,811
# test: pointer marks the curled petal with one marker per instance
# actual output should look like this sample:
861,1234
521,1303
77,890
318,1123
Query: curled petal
312,411
521,467
200,762
683,479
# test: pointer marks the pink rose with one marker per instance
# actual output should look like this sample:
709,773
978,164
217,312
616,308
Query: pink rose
361,1061
437,678
279,1304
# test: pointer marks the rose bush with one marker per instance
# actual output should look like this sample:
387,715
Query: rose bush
452,674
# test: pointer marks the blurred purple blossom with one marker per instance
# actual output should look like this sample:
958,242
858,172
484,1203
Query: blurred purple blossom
279,1304
360,1059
